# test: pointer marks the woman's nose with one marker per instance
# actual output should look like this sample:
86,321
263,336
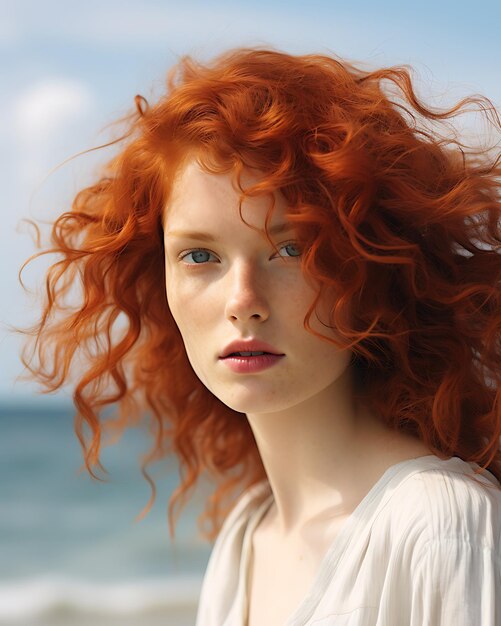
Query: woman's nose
246,296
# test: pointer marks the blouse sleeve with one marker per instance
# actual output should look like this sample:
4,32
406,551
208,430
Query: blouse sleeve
456,583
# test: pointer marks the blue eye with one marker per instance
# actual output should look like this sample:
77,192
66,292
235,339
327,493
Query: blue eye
292,250
198,256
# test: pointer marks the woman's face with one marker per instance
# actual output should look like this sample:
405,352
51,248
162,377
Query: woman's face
226,283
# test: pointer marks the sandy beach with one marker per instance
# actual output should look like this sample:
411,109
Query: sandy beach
174,617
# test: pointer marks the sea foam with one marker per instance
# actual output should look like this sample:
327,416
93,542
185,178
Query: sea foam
42,597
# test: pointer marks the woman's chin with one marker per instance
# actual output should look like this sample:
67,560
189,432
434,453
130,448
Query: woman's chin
254,404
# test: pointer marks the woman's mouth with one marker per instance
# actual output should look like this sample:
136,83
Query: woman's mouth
251,362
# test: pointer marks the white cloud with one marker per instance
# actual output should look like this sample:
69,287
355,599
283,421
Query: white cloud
46,118
47,106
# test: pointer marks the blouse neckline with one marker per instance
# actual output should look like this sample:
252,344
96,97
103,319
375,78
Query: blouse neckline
363,514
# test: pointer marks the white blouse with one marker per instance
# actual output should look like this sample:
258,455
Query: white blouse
423,548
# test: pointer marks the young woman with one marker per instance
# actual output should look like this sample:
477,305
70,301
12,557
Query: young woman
293,268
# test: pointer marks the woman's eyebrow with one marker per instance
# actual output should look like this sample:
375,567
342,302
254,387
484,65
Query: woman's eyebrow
273,230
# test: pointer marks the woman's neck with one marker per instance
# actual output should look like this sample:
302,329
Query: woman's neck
323,456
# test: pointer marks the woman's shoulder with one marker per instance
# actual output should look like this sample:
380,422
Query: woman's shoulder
440,499
436,545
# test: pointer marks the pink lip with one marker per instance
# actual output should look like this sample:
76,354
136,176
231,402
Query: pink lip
252,364
251,345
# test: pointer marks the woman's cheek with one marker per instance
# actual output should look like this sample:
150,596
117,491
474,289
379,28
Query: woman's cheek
191,305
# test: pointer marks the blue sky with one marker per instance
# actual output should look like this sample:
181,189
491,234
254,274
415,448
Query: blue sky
70,68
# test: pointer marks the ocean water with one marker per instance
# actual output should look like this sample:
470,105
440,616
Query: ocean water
71,552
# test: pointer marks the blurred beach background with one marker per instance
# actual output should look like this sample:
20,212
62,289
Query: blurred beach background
71,552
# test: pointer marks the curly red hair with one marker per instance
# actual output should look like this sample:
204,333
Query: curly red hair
396,216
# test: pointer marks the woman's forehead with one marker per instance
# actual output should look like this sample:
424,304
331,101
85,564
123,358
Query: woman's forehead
197,193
